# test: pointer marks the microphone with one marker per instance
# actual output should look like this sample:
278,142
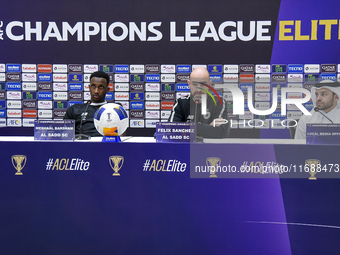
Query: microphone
316,109
199,139
82,136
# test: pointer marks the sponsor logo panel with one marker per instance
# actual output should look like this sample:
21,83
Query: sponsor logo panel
13,86
312,78
312,68
2,77
230,68
182,94
122,96
44,68
28,122
216,78
168,69
29,104
121,68
295,77
246,68
136,77
137,105
152,105
60,86
29,68
167,96
60,95
137,69
262,78
75,68
13,113
215,68
262,69
13,95
150,114
2,104
75,95
45,95
262,87
44,104
183,69
29,77
44,86
137,123
136,95
121,86
29,113
59,68
279,77
29,95
295,68
168,78
137,86
152,87
246,78
136,114
44,77
182,87
168,87
230,77
2,114
150,123
60,77
60,104
167,105
11,122
152,96
13,76
75,77
13,68
279,68
75,87
88,68
106,68
182,77
14,104
45,114
152,77
152,69
331,77
59,113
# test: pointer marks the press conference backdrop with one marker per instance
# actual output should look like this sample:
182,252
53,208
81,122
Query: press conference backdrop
48,51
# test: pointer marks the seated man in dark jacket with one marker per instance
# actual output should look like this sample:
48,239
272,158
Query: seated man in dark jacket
213,124
83,114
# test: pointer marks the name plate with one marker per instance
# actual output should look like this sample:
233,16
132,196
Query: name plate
323,133
60,130
172,132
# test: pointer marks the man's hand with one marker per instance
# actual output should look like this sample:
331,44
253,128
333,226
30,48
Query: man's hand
218,122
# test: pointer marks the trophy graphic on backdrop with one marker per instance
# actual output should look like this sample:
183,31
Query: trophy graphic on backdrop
19,162
116,163
312,165
212,164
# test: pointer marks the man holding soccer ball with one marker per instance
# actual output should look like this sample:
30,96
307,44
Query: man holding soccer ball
83,114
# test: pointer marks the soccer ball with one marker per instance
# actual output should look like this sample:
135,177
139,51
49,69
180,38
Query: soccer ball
111,120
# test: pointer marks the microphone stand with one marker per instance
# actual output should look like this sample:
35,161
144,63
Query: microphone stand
199,139
318,110
82,136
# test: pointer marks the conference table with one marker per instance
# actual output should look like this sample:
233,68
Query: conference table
143,197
